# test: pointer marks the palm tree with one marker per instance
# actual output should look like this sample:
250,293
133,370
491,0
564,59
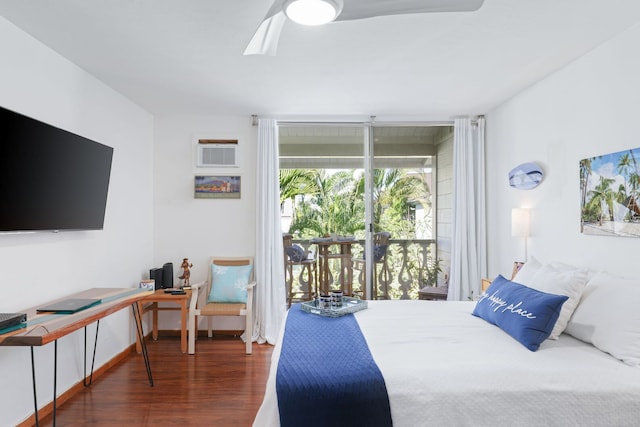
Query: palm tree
585,172
337,205
634,177
602,194
296,182
333,208
394,192
621,194
624,167
634,182
335,202
628,167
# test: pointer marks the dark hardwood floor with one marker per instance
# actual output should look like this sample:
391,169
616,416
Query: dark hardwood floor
218,386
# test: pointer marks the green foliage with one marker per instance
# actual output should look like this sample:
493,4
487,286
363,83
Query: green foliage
334,203
335,206
432,271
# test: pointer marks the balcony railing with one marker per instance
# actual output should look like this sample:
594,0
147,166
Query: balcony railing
407,263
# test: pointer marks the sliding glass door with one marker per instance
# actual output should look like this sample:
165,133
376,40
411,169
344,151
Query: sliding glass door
367,185
403,178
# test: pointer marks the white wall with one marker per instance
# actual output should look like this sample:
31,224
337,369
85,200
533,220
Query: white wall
198,229
35,268
587,109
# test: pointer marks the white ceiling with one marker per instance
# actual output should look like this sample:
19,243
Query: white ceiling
185,56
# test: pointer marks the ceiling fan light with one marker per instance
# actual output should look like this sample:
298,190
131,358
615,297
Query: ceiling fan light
311,12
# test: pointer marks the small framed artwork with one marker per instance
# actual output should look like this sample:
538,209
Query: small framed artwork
217,187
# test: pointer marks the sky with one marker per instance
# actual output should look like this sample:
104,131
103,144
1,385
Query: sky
607,166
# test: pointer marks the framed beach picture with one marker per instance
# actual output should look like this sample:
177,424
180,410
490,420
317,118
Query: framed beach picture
217,187
610,193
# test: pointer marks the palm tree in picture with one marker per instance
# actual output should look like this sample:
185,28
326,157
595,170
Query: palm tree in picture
603,196
621,194
634,162
625,166
631,202
634,178
634,183
585,172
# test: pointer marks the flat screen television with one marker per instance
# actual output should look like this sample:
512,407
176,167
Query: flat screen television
50,179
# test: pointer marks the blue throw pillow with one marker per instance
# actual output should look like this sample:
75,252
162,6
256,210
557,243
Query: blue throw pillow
296,253
528,315
229,283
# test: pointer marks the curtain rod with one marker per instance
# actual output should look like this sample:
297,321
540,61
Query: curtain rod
372,122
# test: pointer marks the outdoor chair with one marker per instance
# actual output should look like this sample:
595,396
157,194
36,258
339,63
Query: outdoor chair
295,255
382,279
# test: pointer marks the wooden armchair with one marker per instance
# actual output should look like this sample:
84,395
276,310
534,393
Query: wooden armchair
226,298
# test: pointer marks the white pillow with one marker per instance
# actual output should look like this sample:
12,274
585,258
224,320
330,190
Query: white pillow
608,317
569,282
568,267
527,271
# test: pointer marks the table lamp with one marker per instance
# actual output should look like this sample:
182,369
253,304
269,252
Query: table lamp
521,225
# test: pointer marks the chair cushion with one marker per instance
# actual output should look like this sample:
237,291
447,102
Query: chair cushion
296,253
379,251
229,283
223,309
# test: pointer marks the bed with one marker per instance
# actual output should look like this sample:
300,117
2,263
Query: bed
444,366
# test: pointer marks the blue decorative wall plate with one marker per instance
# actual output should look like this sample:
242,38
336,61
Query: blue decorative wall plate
525,176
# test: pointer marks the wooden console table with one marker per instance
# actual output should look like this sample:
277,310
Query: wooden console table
150,303
44,328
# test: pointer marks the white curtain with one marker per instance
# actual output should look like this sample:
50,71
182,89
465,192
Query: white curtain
270,302
469,255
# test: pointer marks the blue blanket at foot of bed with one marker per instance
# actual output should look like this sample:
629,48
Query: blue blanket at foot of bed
327,376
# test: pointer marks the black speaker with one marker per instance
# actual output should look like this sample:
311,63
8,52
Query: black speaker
156,274
167,275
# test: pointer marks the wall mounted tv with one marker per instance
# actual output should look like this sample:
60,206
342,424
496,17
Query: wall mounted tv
50,179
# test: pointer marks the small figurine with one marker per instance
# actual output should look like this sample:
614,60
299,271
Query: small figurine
185,272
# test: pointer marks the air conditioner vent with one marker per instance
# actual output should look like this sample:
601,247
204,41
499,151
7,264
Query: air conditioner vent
215,154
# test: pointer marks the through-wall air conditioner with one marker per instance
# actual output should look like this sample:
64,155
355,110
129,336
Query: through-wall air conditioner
217,153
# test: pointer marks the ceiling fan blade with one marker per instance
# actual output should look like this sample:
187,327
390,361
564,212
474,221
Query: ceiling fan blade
360,9
265,39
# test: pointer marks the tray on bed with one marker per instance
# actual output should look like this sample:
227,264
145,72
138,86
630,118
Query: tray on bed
349,305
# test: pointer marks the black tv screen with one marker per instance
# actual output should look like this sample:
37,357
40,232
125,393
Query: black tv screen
50,179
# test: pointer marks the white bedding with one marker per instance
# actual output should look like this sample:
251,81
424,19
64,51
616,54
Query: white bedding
445,367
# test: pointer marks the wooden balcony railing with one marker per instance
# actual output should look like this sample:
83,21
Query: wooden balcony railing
406,266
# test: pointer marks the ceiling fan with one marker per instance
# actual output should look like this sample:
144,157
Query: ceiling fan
265,39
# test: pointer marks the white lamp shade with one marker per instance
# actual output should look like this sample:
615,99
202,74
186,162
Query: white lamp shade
520,222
